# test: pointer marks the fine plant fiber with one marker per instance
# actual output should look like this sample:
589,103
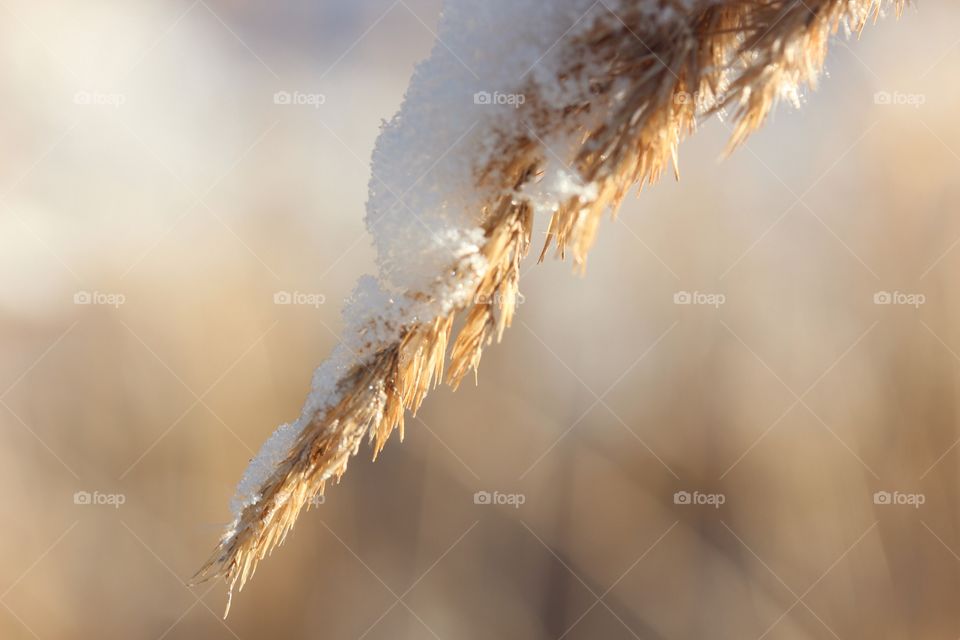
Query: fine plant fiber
648,72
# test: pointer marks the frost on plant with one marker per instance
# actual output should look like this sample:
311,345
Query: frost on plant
425,209
524,109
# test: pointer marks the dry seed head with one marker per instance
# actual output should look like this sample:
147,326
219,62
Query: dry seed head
641,74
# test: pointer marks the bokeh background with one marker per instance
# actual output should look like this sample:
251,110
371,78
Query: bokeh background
146,169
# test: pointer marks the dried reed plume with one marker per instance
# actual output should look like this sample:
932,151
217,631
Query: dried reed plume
738,56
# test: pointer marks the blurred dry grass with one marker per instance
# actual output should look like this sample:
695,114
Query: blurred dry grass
197,200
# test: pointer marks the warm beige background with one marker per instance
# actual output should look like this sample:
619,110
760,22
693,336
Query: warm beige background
198,198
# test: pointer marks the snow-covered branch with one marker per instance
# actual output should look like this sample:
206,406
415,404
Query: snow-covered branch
525,108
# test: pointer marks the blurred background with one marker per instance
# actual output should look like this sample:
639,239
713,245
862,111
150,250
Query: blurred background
742,422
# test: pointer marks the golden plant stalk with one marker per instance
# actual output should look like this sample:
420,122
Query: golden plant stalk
736,55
